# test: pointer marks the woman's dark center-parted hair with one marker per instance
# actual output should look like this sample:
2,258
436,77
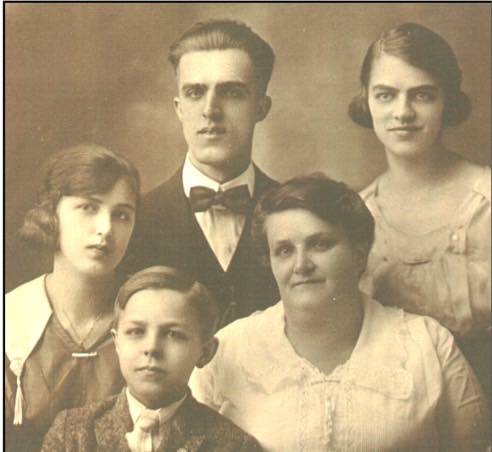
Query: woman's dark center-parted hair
421,48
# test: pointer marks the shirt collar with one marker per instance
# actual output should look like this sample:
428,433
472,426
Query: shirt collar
30,297
165,413
193,177
377,362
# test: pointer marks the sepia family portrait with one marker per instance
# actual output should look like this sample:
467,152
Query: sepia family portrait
247,226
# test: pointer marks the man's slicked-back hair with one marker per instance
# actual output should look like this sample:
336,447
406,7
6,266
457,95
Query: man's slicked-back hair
421,48
198,296
223,34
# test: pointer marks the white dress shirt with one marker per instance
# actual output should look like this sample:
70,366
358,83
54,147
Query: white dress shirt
165,413
221,227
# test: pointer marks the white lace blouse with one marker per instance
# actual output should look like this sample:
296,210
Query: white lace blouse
406,386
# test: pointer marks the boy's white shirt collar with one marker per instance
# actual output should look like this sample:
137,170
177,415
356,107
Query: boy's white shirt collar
193,177
165,413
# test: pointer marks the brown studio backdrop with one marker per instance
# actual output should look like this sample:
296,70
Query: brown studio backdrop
98,73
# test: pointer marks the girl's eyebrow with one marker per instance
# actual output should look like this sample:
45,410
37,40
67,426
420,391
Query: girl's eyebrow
432,88
427,87
383,87
126,205
100,201
281,242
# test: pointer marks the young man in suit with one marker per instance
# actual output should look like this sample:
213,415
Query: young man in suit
199,220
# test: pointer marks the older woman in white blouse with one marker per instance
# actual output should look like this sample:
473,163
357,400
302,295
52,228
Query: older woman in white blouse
327,368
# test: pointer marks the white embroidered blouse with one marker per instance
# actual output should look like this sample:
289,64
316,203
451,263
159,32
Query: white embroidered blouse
406,386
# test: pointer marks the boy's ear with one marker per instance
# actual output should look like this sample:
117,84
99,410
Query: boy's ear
209,350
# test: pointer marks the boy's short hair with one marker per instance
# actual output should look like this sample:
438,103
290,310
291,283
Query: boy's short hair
223,34
82,170
161,277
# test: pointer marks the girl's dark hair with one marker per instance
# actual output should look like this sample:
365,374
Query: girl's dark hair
154,278
423,49
77,171
331,201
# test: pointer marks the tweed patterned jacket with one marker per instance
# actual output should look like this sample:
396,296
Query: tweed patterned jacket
102,426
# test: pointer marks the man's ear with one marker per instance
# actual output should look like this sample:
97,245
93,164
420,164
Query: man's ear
263,107
177,108
209,350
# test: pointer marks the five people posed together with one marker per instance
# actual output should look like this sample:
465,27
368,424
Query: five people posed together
346,321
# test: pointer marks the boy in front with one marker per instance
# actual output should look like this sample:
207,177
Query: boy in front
164,327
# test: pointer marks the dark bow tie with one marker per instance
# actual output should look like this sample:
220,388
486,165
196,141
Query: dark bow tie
236,199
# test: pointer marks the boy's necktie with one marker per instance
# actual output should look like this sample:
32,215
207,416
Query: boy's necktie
140,439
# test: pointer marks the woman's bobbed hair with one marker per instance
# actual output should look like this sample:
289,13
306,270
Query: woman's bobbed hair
423,49
82,170
333,202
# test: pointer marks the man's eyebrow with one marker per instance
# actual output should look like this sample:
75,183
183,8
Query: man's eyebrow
234,85
192,85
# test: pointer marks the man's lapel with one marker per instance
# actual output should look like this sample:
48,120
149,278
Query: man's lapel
262,184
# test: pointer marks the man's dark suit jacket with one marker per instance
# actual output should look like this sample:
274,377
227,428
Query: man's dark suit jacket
167,233
102,426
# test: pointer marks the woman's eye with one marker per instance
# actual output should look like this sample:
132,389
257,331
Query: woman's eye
282,251
323,244
122,216
384,96
88,207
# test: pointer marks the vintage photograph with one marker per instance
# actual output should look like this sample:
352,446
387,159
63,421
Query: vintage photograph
247,226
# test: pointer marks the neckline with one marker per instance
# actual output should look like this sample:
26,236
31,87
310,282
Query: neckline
340,369
95,334
455,218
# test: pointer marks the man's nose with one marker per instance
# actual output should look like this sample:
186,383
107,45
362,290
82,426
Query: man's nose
212,108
